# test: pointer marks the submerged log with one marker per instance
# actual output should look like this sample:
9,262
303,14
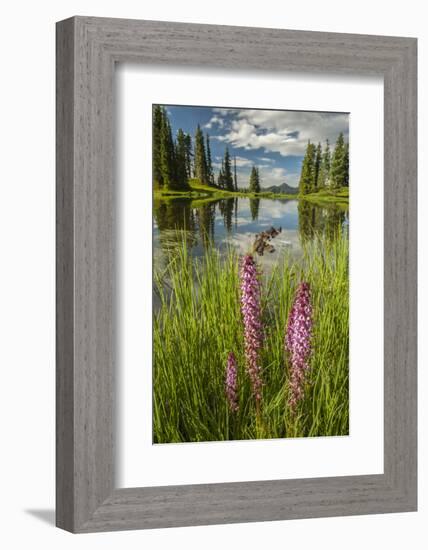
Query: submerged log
261,241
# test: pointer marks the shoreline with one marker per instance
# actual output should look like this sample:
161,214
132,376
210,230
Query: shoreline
217,194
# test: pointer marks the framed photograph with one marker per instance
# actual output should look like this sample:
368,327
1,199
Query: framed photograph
236,274
233,243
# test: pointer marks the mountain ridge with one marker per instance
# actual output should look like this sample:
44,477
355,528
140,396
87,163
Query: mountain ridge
283,188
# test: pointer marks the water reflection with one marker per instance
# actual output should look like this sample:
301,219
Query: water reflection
226,208
174,215
205,215
254,207
315,219
235,221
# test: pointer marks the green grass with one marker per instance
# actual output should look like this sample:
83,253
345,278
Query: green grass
199,322
198,190
340,196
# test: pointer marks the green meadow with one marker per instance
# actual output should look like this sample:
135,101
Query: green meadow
199,322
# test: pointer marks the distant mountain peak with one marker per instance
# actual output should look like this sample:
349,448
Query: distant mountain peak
283,188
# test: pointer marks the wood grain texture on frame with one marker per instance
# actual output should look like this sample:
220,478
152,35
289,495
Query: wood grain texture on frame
87,50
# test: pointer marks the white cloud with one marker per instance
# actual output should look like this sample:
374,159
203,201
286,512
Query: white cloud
268,176
215,120
285,132
276,176
224,111
292,179
241,161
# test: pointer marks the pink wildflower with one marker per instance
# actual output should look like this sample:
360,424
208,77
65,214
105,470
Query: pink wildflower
298,341
251,312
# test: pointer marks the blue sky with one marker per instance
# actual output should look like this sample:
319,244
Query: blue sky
275,141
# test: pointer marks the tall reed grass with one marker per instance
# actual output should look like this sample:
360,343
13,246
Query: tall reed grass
200,321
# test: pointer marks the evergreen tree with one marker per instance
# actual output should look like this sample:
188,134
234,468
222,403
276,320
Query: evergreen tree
324,174
235,178
200,158
167,154
227,171
339,168
180,161
157,130
307,175
346,165
317,167
209,167
258,186
188,147
220,179
254,185
251,183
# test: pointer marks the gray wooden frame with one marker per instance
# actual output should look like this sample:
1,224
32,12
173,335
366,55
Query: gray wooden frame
87,50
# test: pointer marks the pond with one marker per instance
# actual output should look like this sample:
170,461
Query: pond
235,222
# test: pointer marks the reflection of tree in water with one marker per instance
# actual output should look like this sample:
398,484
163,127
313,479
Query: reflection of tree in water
196,220
206,221
254,208
226,207
174,218
306,220
316,219
335,220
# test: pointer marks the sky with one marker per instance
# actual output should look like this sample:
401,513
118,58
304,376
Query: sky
275,141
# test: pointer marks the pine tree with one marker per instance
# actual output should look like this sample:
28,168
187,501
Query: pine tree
254,185
157,131
306,184
235,178
180,161
200,158
317,167
188,146
252,182
209,167
167,154
258,186
339,168
346,165
227,171
324,174
220,179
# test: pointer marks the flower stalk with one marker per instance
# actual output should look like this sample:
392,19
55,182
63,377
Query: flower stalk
251,314
298,342
231,382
